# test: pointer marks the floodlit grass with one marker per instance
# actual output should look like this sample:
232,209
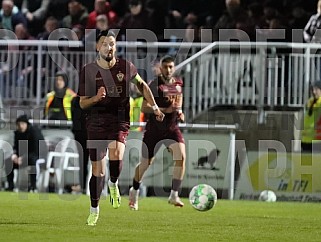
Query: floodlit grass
50,217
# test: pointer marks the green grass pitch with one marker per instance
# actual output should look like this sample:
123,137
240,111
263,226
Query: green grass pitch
52,217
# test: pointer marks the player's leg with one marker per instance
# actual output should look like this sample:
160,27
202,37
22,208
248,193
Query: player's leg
96,185
116,151
179,156
140,170
149,148
97,179
9,167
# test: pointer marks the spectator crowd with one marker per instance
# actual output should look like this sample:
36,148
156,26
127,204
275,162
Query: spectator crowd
40,17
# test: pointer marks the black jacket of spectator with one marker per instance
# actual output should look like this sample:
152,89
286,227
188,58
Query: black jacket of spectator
34,137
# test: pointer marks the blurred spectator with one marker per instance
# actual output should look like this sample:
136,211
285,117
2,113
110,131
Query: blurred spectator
90,38
78,15
10,15
58,102
22,33
192,33
270,11
177,10
51,24
79,33
102,7
24,73
137,18
312,31
101,23
89,5
207,10
158,13
234,17
311,133
36,12
120,7
58,9
298,18
18,75
256,15
27,150
278,23
185,12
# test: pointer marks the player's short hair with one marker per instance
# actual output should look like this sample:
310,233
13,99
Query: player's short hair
166,59
105,33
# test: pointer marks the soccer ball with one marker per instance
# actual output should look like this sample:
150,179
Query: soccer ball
267,196
202,197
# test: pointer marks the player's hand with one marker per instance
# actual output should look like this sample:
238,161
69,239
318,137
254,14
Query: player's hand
101,93
159,115
181,117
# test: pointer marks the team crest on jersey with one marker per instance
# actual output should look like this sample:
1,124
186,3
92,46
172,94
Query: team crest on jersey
120,76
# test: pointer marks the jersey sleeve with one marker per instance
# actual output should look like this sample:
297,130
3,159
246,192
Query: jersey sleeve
136,79
133,74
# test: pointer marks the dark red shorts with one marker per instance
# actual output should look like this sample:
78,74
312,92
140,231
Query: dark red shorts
152,141
100,135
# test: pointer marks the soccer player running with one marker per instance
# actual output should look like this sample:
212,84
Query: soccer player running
167,91
103,91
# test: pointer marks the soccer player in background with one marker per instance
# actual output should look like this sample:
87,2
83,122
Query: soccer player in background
167,90
104,94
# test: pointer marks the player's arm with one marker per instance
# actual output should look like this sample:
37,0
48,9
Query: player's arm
86,102
177,105
147,108
148,95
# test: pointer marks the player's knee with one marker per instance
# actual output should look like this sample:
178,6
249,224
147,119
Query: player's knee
102,173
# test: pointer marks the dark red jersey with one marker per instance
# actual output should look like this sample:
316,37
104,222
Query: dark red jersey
116,81
165,94
166,132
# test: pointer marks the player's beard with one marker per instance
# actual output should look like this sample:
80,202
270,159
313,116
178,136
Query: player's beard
108,57
167,78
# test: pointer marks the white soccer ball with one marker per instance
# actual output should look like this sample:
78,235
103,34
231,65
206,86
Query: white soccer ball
202,197
267,196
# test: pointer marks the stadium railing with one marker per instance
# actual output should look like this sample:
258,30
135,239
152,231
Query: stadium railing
259,74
